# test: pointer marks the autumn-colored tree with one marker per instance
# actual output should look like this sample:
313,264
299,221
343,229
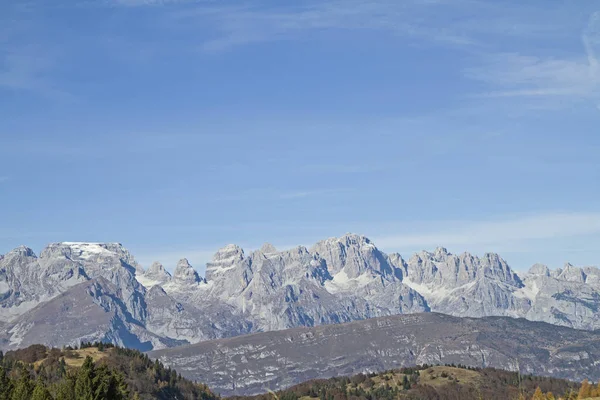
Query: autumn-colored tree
550,396
596,390
585,391
538,395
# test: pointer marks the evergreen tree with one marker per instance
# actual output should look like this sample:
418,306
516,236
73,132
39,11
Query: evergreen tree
23,387
40,392
62,367
173,378
5,385
405,383
84,389
66,389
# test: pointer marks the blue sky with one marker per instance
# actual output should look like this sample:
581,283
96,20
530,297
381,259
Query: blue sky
176,127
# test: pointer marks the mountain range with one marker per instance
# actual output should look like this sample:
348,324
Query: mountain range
75,292
270,361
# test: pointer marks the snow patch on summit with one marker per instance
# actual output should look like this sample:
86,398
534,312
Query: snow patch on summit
146,282
341,282
88,250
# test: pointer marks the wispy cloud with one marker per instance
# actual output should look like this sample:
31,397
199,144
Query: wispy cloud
241,25
24,69
521,75
344,168
518,75
309,193
497,232
141,3
273,194
25,62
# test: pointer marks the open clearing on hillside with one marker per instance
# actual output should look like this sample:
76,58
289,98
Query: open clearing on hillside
440,376
75,358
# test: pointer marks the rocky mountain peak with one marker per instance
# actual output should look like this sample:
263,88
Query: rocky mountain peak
339,279
268,248
158,271
228,252
571,273
353,254
156,268
184,272
441,253
155,275
225,259
539,269
21,251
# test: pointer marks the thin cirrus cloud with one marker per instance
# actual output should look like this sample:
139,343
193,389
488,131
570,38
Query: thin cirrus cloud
269,194
498,232
141,3
519,75
236,25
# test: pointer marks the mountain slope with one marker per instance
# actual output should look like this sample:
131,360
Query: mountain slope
436,383
272,360
337,280
95,371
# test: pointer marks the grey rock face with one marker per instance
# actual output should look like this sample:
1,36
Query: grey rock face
157,272
466,285
90,311
338,280
185,273
269,361
354,255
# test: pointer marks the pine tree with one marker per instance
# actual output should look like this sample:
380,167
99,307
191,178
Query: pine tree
66,389
405,383
5,385
40,392
173,378
62,367
84,389
23,388
102,382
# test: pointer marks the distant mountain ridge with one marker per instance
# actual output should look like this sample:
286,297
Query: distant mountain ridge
260,362
45,299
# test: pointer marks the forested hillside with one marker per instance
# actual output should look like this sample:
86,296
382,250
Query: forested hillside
436,383
91,372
